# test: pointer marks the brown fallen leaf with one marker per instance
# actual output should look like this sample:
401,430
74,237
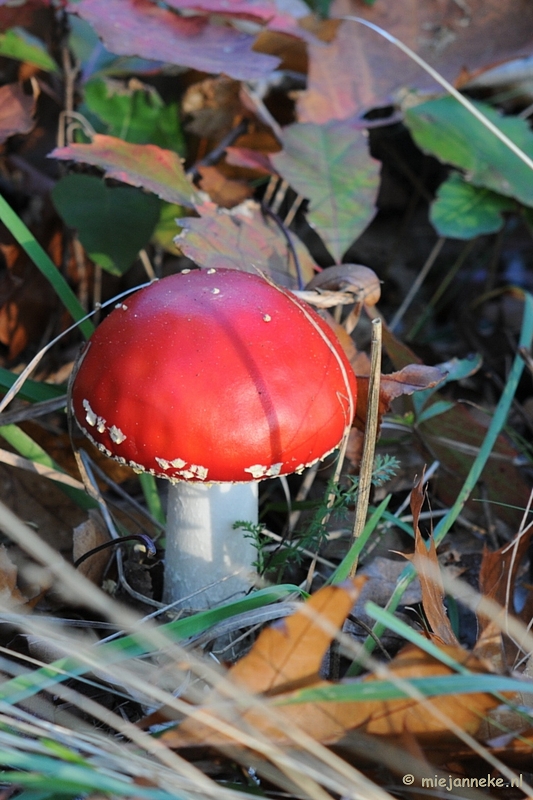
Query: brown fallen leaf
427,566
286,658
292,649
223,191
410,379
90,534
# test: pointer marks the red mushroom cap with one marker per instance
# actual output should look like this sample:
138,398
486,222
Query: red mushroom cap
214,376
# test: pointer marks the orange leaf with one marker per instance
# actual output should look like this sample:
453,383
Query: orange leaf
293,648
289,654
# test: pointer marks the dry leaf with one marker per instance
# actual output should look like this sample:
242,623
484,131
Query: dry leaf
223,191
362,281
90,534
292,649
214,106
410,379
427,566
288,655
10,594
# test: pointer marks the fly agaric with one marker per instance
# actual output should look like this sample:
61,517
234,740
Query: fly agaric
214,379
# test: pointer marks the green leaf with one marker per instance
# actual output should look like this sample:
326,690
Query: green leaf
135,113
153,168
464,211
19,44
113,223
330,165
449,131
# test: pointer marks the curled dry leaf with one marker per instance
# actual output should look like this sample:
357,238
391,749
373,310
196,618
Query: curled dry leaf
427,566
16,111
356,278
360,282
410,379
287,656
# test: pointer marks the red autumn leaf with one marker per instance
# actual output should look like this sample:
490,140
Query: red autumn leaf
155,169
16,111
243,239
142,28
276,15
450,36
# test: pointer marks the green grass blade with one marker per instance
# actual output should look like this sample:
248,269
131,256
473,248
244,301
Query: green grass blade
343,570
41,259
70,779
436,686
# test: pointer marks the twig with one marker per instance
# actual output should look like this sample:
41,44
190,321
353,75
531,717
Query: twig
367,461
216,154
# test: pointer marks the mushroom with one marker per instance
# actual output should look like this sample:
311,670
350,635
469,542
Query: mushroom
215,380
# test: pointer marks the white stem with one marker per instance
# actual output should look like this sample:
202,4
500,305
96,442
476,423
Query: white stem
206,560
